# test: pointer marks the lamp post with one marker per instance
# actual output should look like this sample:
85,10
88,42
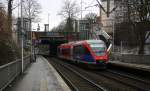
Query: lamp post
113,26
22,32
81,9
30,25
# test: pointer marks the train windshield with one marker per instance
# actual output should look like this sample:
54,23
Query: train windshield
98,48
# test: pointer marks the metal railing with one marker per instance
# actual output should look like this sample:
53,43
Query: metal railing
10,71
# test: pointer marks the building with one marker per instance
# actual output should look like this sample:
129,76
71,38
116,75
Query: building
83,27
123,21
107,21
126,11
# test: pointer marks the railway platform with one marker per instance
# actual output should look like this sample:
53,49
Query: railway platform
40,76
142,67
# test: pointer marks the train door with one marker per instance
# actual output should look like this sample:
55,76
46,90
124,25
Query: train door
87,57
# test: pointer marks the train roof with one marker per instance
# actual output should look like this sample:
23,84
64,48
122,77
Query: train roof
81,42
94,41
88,41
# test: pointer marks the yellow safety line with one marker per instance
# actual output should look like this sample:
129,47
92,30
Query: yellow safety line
43,85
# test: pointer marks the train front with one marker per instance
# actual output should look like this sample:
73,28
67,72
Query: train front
99,52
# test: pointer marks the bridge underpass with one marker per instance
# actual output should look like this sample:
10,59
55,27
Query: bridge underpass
47,42
49,47
53,44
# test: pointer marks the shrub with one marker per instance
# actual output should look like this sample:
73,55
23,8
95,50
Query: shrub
9,51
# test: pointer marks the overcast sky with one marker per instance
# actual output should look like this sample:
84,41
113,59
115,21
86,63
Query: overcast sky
52,7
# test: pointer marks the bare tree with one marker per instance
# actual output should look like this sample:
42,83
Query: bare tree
134,23
9,16
142,8
32,9
91,17
10,3
9,50
60,27
3,19
69,11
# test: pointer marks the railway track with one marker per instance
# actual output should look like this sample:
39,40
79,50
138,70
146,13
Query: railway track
141,80
76,81
108,79
140,84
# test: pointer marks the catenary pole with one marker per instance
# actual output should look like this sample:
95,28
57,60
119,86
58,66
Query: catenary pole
22,57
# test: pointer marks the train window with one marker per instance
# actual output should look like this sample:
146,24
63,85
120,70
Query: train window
98,49
78,50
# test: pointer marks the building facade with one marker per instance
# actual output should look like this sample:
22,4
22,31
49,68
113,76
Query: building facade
107,22
124,20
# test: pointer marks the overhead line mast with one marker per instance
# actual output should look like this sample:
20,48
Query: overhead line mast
107,12
81,9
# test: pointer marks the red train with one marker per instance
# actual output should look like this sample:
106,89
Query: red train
93,52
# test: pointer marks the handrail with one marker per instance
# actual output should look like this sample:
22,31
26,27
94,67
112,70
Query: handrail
5,65
10,71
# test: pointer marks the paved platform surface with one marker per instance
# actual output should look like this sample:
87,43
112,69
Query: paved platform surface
131,65
40,76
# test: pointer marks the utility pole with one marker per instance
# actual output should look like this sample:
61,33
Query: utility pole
107,12
108,8
30,29
81,9
48,20
22,33
18,7
100,15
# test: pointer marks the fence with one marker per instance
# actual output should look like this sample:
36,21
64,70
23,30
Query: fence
125,47
131,58
10,71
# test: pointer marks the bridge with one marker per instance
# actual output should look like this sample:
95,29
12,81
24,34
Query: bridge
47,42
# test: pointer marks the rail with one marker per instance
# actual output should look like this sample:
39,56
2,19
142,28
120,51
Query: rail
76,80
10,71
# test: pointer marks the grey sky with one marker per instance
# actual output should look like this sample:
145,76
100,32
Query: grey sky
52,7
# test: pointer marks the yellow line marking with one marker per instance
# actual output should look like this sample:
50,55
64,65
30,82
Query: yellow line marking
43,85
